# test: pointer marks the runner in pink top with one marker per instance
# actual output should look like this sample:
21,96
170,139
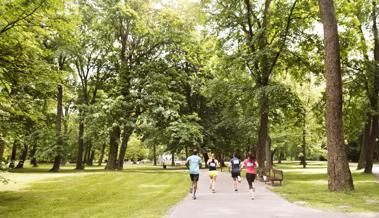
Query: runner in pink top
251,164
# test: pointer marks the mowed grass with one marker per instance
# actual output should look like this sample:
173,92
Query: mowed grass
310,186
144,192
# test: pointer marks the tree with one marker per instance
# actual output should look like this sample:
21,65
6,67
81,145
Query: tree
340,178
261,40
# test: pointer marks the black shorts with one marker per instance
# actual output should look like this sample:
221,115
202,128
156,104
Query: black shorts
194,177
235,175
250,177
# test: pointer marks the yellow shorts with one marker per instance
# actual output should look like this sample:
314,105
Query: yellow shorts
213,173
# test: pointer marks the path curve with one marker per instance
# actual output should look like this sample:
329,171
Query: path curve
226,203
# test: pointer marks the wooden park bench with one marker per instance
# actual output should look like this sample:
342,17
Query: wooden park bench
273,175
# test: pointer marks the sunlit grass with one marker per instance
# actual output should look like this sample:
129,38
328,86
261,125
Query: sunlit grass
134,192
310,185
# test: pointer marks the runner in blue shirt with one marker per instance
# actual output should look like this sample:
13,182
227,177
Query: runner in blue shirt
235,169
193,163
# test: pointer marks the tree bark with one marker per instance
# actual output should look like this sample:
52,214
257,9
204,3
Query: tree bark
280,157
340,178
58,130
102,154
268,152
127,132
155,154
90,160
33,152
2,148
173,159
263,131
206,158
113,150
304,148
23,156
364,144
88,153
273,155
371,145
13,154
79,159
374,98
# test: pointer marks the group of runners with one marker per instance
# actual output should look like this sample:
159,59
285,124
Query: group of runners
236,165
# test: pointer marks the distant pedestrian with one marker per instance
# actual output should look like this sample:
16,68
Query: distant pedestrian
251,164
235,168
193,163
212,164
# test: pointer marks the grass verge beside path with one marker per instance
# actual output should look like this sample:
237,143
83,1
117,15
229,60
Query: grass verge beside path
310,187
137,192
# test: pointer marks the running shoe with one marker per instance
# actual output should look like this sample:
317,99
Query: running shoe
239,179
213,191
235,190
194,197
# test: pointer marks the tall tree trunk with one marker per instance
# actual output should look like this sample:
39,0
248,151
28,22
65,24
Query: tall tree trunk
374,98
273,155
79,159
364,144
91,157
371,145
173,159
126,133
113,150
23,156
33,152
268,152
88,154
263,130
155,154
280,157
58,130
86,151
263,82
2,148
340,178
102,154
304,148
206,158
13,154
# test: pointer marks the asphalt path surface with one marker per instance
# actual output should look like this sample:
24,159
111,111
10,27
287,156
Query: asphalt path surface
226,203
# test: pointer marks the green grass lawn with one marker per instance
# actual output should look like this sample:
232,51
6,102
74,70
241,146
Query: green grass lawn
310,185
135,192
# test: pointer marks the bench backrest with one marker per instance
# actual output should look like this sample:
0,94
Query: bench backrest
277,173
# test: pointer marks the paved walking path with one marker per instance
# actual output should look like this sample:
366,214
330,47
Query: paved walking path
226,203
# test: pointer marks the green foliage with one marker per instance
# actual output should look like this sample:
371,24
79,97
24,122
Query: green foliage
180,74
136,150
